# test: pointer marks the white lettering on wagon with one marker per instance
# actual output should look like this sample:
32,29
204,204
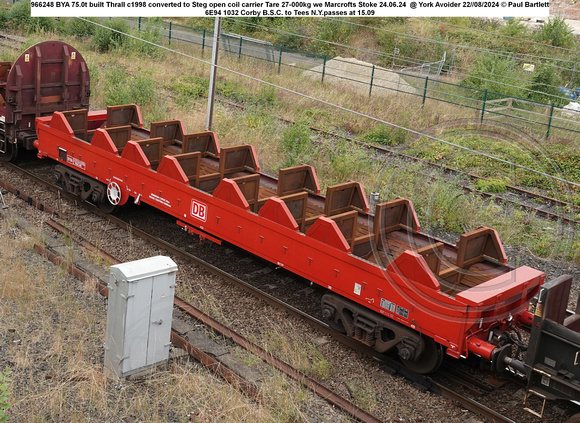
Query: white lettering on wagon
199,210
159,199
76,162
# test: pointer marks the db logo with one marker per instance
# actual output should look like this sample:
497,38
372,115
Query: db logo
199,210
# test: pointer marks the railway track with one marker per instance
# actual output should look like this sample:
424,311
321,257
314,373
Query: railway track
389,364
12,42
549,202
325,393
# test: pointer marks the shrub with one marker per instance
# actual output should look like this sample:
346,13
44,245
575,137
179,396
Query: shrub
290,34
19,19
496,74
514,27
545,85
152,34
105,39
335,31
556,32
77,27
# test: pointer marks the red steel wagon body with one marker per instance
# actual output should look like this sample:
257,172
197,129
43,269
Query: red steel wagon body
394,286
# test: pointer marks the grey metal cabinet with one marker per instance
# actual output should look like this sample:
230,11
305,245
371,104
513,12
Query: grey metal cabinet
139,314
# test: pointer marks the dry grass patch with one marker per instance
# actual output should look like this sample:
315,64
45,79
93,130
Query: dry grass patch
52,332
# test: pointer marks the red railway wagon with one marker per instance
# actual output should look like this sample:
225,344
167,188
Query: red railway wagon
47,77
388,285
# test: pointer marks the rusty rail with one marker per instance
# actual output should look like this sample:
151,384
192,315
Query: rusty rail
335,399
448,170
210,362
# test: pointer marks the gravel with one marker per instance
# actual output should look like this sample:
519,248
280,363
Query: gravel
357,74
389,397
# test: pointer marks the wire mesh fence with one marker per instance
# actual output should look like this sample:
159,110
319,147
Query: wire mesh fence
421,82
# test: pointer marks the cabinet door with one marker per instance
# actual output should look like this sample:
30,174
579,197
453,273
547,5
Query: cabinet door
137,324
161,314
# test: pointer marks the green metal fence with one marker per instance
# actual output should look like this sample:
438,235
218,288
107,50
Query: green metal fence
541,119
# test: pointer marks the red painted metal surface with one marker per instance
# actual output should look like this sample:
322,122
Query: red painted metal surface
439,298
49,76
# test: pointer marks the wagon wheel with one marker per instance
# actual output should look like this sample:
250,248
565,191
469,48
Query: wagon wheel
574,419
337,326
107,207
11,152
429,360
110,202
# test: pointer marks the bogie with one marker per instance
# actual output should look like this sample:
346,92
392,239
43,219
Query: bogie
419,353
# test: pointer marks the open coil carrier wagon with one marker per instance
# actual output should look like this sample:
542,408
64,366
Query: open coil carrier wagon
388,285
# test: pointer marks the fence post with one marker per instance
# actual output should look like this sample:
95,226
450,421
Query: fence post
139,23
550,121
280,60
425,90
170,33
323,69
203,42
372,76
483,104
240,49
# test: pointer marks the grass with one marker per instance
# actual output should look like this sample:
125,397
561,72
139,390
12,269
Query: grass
52,322
176,94
53,332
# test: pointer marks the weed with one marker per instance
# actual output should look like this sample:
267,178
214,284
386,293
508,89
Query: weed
266,95
189,88
295,143
18,18
386,135
76,27
319,366
139,89
363,394
105,39
494,185
4,393
232,90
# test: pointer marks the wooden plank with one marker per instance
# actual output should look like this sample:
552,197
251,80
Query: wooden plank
266,192
206,169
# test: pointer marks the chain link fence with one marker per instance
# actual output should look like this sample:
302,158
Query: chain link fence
422,82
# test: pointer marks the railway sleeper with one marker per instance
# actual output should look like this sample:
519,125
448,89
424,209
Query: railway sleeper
419,353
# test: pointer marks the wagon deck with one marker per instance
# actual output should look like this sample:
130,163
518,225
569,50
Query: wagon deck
379,259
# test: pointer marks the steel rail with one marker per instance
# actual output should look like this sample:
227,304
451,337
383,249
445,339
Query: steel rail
449,170
472,405
325,393
425,382
11,41
210,362
207,360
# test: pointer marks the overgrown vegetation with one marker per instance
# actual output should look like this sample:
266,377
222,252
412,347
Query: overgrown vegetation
55,372
120,78
4,393
174,90
124,88
557,33
17,18
386,135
